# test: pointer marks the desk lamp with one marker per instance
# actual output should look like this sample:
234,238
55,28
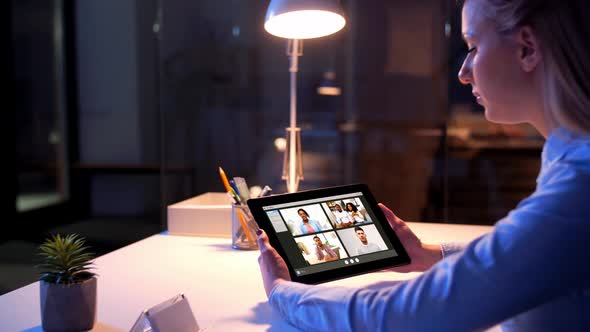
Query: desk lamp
296,20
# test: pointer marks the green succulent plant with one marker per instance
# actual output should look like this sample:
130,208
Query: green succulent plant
66,260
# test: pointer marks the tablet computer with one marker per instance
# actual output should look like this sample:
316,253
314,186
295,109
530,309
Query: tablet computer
330,233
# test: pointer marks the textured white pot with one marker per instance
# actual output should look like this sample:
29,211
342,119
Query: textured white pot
68,308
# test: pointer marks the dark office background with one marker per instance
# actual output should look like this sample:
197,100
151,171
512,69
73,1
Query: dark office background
116,109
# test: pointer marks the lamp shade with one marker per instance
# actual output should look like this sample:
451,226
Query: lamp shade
304,19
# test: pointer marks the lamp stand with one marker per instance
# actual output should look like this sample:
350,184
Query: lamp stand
292,165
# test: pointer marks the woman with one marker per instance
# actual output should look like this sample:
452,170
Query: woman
354,213
308,225
528,62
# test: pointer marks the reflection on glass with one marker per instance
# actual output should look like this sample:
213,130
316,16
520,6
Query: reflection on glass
38,55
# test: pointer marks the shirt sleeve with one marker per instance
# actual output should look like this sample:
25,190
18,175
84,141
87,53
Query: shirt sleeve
537,253
450,248
331,252
315,225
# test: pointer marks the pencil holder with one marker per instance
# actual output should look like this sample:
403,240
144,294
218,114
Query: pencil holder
243,228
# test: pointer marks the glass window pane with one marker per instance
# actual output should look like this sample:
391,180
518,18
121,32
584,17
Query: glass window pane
38,58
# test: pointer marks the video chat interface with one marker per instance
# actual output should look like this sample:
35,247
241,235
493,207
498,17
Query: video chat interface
327,233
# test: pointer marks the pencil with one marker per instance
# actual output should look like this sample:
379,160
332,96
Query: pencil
244,226
224,180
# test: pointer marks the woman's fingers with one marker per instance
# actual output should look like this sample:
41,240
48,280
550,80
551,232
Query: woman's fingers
393,220
262,239
272,266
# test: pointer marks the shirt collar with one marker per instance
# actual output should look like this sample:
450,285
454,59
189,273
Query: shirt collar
561,143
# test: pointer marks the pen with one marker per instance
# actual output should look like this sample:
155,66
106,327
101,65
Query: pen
232,183
235,197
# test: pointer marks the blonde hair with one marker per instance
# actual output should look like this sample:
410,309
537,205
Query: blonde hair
563,28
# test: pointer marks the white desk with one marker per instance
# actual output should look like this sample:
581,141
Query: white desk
222,285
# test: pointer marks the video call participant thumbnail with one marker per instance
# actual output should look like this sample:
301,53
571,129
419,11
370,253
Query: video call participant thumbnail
354,213
343,219
323,252
308,225
365,247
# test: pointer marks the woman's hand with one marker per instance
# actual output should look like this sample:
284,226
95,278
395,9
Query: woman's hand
272,266
423,255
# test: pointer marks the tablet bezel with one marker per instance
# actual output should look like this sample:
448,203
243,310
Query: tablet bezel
256,207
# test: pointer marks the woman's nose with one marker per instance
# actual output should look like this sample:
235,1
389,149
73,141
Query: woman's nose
465,73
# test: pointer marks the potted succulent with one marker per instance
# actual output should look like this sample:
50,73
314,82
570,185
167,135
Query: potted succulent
67,284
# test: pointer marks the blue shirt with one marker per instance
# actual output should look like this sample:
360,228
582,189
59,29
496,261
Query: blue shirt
313,223
532,273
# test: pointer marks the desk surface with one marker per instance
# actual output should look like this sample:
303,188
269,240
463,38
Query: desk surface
222,285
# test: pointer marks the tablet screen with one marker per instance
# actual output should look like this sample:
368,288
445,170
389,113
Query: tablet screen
328,233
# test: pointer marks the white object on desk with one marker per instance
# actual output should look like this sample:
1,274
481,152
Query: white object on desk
224,284
207,215
174,314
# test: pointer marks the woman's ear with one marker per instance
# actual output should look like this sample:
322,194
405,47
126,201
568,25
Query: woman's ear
529,49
